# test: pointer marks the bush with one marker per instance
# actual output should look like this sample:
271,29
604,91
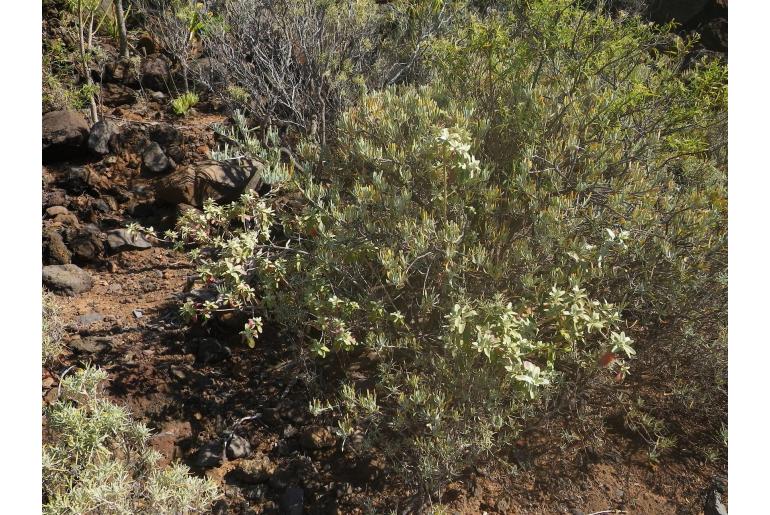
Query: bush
501,234
53,328
96,459
184,102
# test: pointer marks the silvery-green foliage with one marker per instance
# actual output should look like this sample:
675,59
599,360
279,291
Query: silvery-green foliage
53,328
402,254
241,142
96,459
480,237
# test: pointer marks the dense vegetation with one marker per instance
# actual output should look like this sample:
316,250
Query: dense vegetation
540,200
507,208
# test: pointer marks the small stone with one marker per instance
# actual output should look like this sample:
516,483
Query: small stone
314,438
91,344
56,210
292,501
238,447
66,219
121,239
67,279
154,160
88,319
158,96
115,288
138,313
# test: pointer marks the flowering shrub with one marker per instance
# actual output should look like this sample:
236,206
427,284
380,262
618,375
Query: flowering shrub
484,239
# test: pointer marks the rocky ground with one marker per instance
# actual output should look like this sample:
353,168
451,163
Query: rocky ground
240,415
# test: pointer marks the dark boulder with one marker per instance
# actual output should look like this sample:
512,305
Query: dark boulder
155,72
86,244
99,139
65,134
220,181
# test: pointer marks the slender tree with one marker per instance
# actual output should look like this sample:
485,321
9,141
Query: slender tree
121,21
85,41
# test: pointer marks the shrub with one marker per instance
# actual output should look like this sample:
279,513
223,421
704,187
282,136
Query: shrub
53,328
182,104
296,60
605,124
500,234
96,459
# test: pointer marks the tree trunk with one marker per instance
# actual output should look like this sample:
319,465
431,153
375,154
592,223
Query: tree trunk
122,35
84,62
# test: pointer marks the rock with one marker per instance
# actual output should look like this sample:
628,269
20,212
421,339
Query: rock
99,139
255,470
64,134
101,206
158,96
79,179
314,438
56,198
115,95
210,455
89,318
155,72
67,279
206,179
87,244
154,160
238,447
54,249
56,210
292,501
166,135
120,239
121,72
211,350
138,313
67,219
76,179
714,34
91,344
146,44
